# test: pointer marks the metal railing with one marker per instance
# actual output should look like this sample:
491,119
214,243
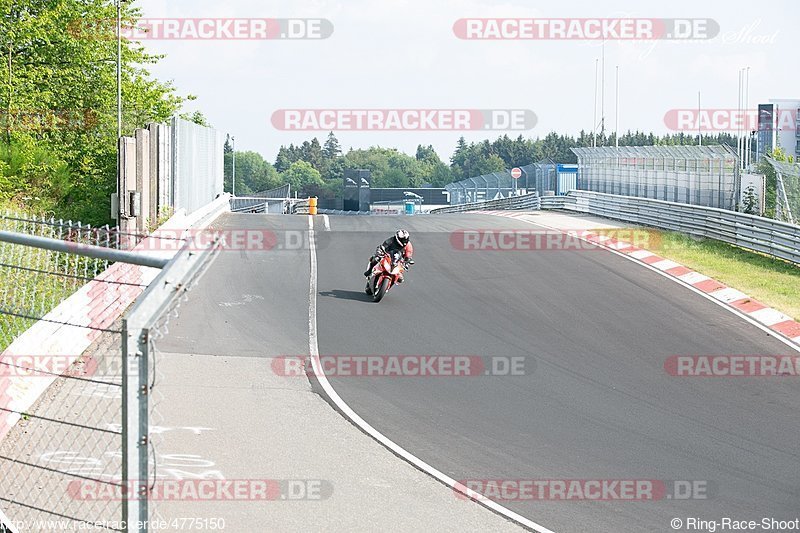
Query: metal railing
536,177
253,204
765,235
142,327
759,234
527,201
342,212
77,385
60,403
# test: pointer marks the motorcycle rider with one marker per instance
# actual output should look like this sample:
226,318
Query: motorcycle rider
399,242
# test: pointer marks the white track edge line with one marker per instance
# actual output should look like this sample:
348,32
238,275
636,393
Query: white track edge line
7,522
319,373
776,334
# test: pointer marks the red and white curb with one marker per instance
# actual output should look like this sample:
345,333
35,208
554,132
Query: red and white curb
783,325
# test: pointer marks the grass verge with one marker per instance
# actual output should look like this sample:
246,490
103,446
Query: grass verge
773,282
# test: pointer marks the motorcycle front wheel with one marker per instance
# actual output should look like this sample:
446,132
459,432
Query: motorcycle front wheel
380,290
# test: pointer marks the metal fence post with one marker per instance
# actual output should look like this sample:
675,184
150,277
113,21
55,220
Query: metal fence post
135,475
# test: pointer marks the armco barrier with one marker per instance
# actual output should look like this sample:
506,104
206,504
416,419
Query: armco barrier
759,234
527,201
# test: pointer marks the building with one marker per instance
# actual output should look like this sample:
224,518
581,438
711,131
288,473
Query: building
778,123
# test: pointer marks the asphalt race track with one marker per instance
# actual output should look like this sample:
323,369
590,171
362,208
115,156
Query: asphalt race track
594,403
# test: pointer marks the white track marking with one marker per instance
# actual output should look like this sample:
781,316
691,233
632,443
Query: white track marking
769,316
641,254
693,276
7,522
665,264
313,347
327,222
728,295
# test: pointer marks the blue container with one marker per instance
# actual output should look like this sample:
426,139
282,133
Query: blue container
409,208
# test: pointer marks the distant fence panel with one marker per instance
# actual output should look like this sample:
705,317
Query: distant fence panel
164,168
197,164
536,177
697,175
527,201
787,190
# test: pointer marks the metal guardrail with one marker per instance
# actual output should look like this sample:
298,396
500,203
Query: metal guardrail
527,201
759,234
341,212
557,202
254,204
751,232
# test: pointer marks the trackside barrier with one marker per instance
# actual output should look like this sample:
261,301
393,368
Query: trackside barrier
73,411
759,234
255,204
527,201
307,206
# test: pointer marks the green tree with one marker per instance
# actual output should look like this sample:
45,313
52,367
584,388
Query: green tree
284,159
58,97
331,149
750,201
301,175
253,173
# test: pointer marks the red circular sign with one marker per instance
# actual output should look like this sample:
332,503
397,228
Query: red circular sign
516,173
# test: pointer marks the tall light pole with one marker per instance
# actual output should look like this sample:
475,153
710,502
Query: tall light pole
603,92
119,110
616,111
699,127
745,118
119,68
233,171
594,116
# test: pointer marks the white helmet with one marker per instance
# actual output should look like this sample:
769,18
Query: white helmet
402,237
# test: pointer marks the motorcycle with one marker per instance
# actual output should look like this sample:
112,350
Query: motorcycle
384,275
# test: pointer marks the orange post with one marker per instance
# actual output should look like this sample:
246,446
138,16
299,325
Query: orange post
312,206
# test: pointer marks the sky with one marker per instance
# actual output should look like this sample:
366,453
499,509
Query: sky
404,54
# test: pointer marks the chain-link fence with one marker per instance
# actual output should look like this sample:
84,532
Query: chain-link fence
34,280
787,190
697,175
59,407
63,368
144,325
536,177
